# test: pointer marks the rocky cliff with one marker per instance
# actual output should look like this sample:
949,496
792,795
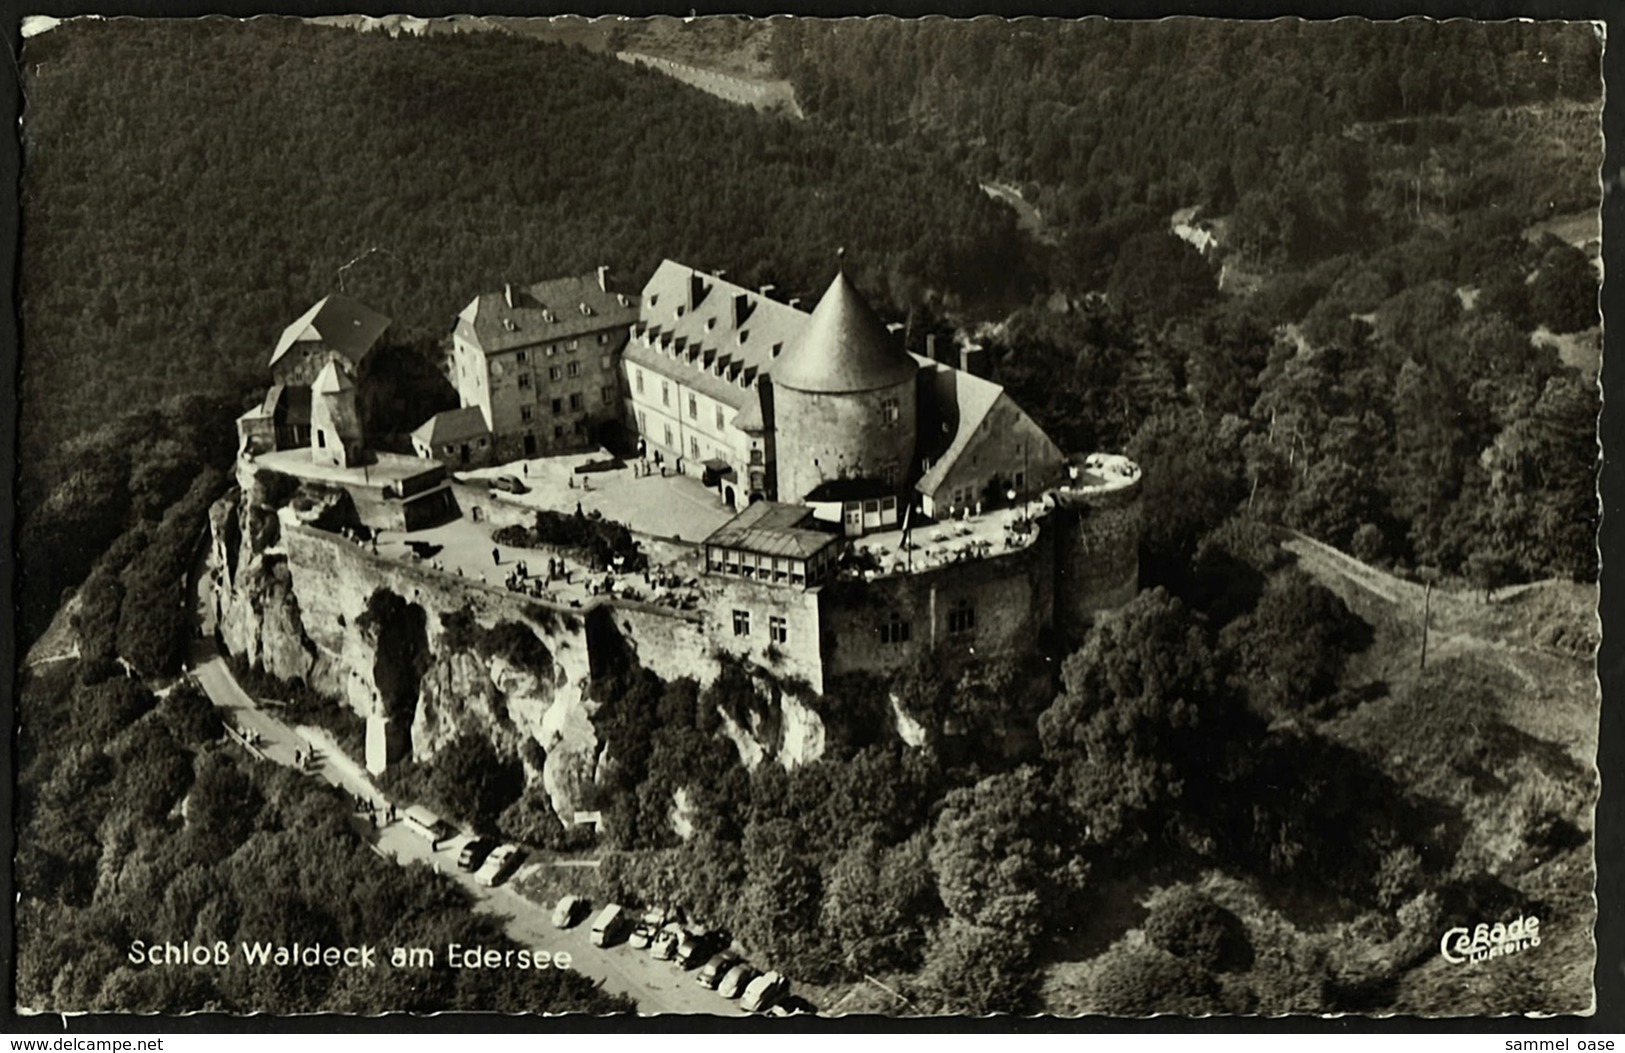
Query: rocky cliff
444,656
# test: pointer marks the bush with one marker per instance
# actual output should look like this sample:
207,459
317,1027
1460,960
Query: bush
1188,924
975,971
1144,981
189,715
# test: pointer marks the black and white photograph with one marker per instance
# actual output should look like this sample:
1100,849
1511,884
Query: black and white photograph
750,517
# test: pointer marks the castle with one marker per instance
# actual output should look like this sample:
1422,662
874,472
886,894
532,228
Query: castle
875,507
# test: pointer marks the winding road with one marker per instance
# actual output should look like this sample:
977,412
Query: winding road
656,987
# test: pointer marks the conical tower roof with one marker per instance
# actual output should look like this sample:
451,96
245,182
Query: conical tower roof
845,348
331,381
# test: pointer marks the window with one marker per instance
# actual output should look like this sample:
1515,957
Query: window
554,373
756,455
605,363
961,618
693,407
637,379
580,427
894,631
575,369
777,630
524,380
522,357
888,412
524,413
665,393
574,344
1021,481
558,431
603,338
741,623
608,395
668,437
693,447
558,405
575,400
720,422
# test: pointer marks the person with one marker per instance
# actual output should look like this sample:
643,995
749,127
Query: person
525,469
496,557
579,513
298,759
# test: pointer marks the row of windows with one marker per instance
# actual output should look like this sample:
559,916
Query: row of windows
665,399
577,402
961,622
569,369
552,349
758,567
578,427
778,630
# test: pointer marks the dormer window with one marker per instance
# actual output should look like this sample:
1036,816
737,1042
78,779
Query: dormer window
744,334
621,297
654,298
778,349
710,324
586,310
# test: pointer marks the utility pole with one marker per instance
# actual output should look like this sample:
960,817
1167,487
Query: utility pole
1428,575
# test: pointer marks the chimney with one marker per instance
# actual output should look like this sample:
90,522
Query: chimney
603,279
767,290
972,360
507,294
795,301
894,328
931,346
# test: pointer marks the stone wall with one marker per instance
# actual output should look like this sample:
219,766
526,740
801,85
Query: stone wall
835,436
1011,595
1098,557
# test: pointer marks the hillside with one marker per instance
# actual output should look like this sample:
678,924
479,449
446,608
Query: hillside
255,166
1493,745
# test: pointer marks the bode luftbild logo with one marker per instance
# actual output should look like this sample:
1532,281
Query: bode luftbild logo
1483,942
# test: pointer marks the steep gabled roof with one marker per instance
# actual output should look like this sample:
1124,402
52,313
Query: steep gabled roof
845,348
452,426
556,309
966,400
692,324
336,322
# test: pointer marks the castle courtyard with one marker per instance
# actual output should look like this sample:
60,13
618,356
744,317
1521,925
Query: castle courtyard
674,506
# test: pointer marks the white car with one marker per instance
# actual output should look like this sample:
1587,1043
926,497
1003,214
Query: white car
763,992
498,865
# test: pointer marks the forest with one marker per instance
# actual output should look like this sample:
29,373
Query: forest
1376,384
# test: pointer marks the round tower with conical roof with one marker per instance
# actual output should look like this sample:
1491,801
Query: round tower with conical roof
843,401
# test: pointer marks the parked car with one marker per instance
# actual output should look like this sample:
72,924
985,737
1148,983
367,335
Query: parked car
664,946
643,934
791,1005
763,991
509,484
609,925
695,947
498,865
475,852
714,970
735,980
568,911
